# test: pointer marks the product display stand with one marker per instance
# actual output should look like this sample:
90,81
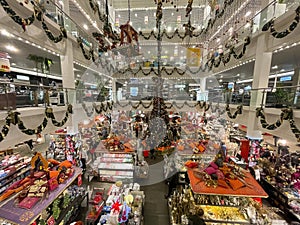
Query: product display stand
114,167
14,171
22,216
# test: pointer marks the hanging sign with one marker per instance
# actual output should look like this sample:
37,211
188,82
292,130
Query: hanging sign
4,65
193,56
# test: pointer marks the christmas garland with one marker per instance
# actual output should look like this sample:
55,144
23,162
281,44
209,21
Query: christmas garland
210,24
270,26
62,34
98,109
21,21
87,55
6,127
28,21
50,115
14,118
265,124
234,115
286,114
94,6
216,61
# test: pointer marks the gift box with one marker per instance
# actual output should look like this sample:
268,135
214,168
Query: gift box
53,184
28,202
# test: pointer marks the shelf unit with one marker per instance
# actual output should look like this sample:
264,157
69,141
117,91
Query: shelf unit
16,215
279,199
116,166
22,169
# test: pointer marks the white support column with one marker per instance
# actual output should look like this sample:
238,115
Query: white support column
68,79
263,60
114,89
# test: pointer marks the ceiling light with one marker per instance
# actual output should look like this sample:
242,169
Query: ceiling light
274,67
248,14
85,26
5,33
11,48
135,15
238,75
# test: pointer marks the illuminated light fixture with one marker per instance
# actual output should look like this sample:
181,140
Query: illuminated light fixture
247,25
248,14
5,33
135,15
169,28
274,67
85,27
11,48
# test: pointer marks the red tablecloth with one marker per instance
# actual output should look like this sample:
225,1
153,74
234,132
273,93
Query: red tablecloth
199,187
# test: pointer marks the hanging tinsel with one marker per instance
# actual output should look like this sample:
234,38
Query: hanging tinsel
270,26
239,110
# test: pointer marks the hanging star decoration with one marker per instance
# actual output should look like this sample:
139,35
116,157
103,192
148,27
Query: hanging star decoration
116,207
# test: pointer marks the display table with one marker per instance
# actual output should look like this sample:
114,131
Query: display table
10,212
199,187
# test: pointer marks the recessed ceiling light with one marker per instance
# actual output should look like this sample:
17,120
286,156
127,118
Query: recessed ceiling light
11,48
85,26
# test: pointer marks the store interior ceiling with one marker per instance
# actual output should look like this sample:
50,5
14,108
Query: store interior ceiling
282,61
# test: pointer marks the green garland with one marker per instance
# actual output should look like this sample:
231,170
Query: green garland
62,34
87,55
6,127
14,118
94,6
270,26
21,21
286,114
234,115
210,24
28,21
50,115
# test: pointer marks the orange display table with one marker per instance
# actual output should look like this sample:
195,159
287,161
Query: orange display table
199,187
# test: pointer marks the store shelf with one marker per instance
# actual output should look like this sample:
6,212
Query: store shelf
14,179
113,168
117,160
12,164
77,201
13,173
22,216
116,166
116,155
